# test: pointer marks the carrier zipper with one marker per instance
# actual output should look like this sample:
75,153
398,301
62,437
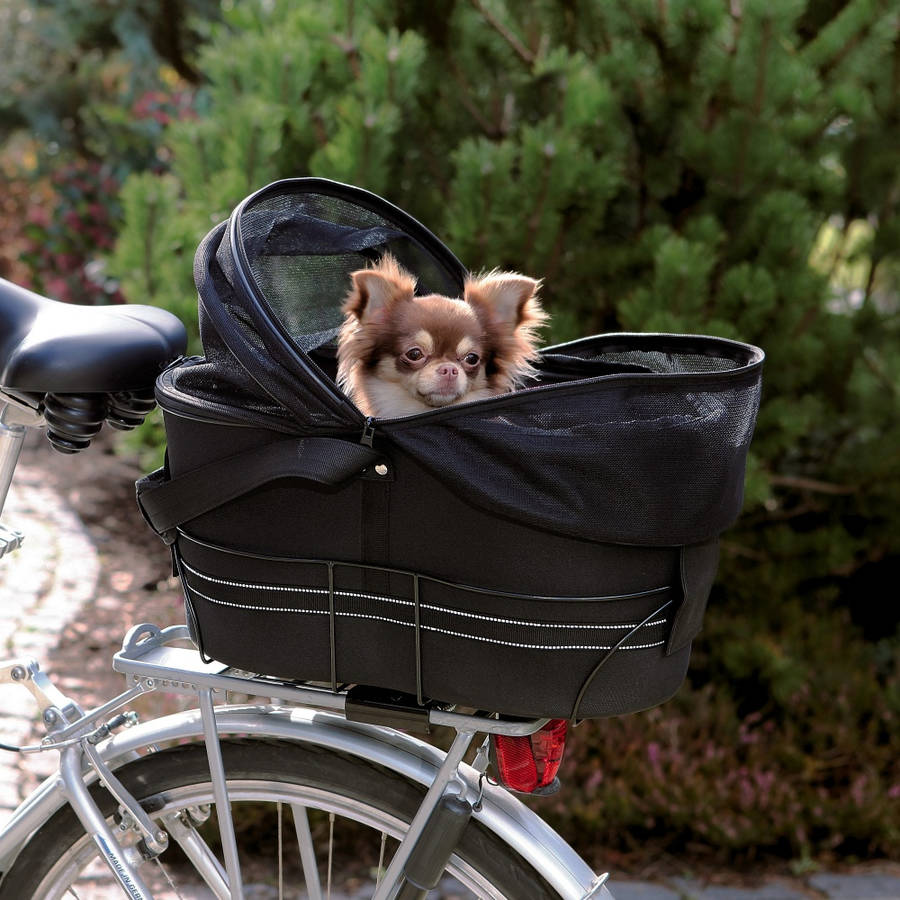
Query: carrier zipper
368,434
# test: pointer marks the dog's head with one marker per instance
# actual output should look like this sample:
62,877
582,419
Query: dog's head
435,350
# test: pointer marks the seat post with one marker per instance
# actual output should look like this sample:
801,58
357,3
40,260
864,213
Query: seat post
12,436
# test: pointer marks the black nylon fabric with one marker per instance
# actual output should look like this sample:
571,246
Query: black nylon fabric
628,439
643,460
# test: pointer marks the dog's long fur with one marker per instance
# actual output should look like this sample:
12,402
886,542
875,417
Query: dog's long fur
399,354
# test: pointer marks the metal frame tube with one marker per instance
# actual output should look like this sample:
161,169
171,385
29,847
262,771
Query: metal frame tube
220,792
390,883
11,439
70,771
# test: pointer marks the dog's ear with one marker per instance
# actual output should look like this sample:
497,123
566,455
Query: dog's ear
377,288
505,298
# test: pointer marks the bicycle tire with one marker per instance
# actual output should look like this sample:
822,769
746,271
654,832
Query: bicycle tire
178,777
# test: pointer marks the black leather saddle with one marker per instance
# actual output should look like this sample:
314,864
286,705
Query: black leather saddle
79,366
47,346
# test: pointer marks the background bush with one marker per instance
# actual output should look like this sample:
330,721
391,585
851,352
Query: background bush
702,166
86,90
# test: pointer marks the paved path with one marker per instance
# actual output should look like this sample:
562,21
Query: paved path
44,585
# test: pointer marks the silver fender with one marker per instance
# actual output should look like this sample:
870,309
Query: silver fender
501,813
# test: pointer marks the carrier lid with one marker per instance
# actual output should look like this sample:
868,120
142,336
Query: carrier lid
272,280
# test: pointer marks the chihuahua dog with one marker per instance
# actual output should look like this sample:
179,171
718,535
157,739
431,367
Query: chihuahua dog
399,354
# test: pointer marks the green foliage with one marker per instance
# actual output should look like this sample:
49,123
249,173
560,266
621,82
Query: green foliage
93,85
150,205
72,71
682,166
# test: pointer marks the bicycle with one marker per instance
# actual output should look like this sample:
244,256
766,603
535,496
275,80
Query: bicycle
127,791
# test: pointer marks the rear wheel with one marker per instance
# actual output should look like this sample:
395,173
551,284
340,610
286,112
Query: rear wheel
310,823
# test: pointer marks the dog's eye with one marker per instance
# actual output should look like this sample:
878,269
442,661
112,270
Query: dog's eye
471,359
414,355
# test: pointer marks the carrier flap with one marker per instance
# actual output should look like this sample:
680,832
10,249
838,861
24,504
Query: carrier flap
168,502
651,456
699,564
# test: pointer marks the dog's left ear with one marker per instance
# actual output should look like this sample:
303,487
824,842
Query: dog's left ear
505,298
377,288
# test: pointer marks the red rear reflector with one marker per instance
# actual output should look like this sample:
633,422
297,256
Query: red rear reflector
529,764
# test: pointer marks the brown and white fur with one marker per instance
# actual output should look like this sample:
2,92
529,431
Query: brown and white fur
399,354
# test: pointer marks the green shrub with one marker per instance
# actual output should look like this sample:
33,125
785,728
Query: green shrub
91,86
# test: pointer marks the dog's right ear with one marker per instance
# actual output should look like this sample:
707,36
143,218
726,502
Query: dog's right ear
378,288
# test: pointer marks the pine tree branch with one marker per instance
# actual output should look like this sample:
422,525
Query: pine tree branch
551,267
471,107
349,48
846,49
868,358
872,555
149,282
737,18
167,40
756,108
318,123
811,484
520,49
534,220
870,280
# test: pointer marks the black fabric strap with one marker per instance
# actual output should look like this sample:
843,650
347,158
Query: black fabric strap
168,502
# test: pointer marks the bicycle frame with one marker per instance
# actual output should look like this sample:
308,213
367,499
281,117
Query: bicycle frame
514,823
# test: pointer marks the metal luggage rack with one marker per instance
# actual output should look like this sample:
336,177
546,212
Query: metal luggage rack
154,658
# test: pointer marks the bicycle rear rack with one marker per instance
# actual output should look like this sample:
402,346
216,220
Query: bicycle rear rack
157,659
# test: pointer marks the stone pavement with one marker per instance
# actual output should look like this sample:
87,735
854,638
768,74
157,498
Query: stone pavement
43,586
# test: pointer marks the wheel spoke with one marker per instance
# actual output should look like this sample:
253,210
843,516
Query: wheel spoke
278,808
307,852
168,878
330,849
380,870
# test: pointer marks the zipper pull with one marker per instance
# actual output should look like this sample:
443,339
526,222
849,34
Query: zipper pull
368,434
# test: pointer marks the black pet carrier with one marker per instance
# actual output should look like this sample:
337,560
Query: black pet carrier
547,552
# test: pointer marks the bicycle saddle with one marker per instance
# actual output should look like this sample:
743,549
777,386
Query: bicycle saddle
52,347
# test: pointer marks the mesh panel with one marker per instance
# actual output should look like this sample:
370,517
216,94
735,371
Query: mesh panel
310,309
301,249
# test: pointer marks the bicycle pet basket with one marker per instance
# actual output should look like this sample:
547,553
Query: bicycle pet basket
544,553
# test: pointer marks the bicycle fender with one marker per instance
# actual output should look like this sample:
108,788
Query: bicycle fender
500,812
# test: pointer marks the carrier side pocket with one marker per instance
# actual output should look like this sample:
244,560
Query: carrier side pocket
699,563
